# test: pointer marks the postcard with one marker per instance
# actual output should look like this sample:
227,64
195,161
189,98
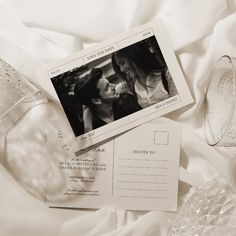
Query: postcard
118,84
137,170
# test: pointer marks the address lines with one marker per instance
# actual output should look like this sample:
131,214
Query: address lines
142,185
143,167
137,174
136,159
143,190
134,196
141,182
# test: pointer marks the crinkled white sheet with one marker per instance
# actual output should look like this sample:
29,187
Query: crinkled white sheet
35,32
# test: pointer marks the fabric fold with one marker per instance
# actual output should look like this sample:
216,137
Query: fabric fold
33,33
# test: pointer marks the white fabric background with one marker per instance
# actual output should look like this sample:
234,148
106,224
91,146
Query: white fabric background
35,32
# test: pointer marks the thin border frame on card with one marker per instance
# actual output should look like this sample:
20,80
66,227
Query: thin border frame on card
103,49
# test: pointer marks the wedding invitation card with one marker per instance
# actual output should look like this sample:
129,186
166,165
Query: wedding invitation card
137,170
136,73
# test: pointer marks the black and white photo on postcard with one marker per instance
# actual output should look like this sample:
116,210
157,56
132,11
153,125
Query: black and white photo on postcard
114,86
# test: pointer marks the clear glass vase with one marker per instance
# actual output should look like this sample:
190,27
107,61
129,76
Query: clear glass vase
220,104
25,119
209,210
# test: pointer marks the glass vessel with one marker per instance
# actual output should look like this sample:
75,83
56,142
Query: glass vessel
209,210
25,119
220,110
